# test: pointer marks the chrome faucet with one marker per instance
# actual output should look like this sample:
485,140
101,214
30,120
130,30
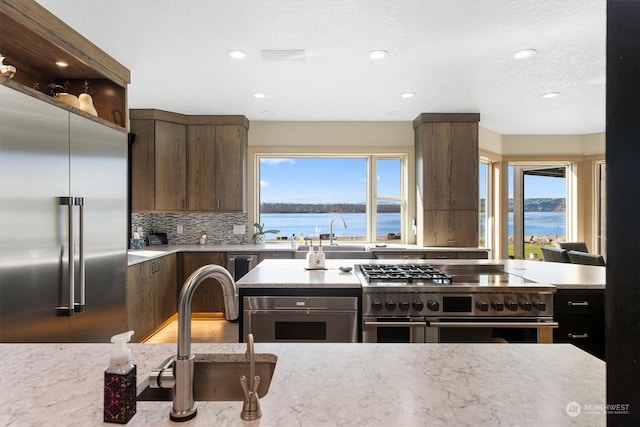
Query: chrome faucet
331,228
184,408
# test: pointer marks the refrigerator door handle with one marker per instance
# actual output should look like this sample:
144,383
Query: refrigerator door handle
79,306
68,310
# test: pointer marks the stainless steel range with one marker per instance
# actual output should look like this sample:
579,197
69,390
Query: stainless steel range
416,302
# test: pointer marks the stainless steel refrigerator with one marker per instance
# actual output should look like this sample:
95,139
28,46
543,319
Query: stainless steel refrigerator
63,224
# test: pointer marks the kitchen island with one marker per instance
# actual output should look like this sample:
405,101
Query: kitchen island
329,385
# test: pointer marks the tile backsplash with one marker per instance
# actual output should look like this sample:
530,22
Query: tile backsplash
218,226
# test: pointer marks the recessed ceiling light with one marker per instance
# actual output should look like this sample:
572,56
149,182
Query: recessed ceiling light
550,95
236,54
377,54
407,95
259,95
61,64
525,53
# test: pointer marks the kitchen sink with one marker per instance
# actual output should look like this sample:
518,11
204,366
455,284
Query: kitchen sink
336,248
216,377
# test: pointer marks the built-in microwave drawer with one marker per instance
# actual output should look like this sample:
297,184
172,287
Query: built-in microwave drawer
301,319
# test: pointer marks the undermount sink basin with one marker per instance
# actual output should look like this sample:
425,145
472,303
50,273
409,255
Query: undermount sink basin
216,377
336,248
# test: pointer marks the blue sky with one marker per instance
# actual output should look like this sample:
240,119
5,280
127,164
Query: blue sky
343,180
314,180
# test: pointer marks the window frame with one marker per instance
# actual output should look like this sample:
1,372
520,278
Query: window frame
371,186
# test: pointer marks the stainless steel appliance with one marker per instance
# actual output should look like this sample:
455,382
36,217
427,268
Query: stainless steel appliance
63,210
301,318
240,264
415,302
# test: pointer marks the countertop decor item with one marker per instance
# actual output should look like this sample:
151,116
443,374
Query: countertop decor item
259,236
60,93
86,102
5,69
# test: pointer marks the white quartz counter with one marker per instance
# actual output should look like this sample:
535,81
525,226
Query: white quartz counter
562,275
291,273
328,385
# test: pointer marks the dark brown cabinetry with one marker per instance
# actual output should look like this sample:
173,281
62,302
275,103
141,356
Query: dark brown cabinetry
447,179
216,163
151,294
208,296
188,163
580,317
158,162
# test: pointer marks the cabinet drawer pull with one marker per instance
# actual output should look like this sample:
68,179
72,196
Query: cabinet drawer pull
578,303
578,336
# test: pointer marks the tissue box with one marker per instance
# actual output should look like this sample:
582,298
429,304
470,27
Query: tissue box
136,243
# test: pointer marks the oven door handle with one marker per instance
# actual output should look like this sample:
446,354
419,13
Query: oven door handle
537,325
394,324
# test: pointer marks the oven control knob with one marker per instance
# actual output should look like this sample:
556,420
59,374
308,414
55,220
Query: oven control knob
540,305
418,305
482,305
404,305
524,304
497,305
433,305
510,304
376,305
390,304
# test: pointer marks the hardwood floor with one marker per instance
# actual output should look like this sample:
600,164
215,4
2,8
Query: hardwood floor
204,329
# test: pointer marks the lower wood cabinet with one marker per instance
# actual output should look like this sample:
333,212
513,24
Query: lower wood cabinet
151,294
208,296
580,317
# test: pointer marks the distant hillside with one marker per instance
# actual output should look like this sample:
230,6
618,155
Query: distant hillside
323,208
530,205
536,205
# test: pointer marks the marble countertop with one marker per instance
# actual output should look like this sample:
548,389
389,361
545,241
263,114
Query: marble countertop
328,385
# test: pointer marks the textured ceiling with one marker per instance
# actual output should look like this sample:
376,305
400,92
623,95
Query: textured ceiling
455,55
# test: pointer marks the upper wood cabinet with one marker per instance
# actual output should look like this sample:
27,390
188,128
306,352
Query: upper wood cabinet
188,163
216,163
158,163
32,39
447,162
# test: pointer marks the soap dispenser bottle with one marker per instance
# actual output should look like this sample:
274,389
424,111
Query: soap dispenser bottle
320,257
311,257
120,382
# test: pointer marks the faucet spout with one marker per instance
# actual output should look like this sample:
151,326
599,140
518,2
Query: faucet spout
344,224
184,408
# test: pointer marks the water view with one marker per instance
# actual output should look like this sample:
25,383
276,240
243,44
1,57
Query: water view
538,224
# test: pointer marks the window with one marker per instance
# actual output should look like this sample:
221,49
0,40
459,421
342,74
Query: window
301,194
484,225
538,211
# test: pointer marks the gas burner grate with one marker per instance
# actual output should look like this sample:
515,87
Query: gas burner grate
403,273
